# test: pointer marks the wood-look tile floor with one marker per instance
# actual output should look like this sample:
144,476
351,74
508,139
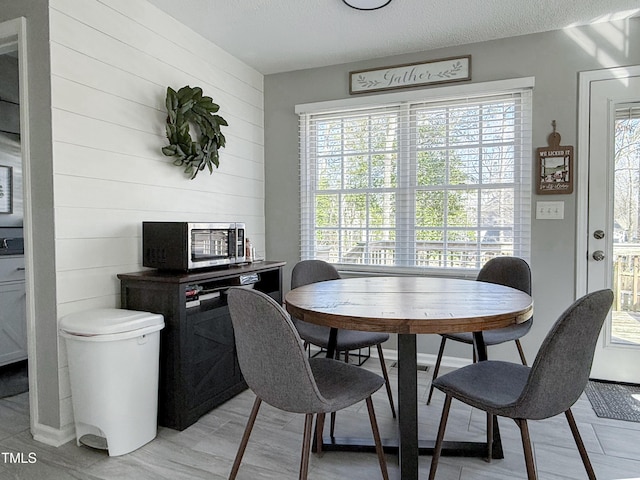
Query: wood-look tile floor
206,449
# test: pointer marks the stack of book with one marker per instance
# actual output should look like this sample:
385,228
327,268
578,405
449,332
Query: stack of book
192,295
195,295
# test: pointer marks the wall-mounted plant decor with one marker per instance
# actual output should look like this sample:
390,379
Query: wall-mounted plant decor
185,108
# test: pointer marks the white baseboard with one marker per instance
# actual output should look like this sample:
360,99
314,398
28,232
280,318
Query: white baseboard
53,436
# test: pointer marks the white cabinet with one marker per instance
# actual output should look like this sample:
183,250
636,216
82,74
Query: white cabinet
13,324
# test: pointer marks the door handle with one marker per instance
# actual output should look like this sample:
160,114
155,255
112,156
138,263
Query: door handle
598,255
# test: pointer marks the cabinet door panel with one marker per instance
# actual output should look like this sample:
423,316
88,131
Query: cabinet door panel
13,323
214,367
12,269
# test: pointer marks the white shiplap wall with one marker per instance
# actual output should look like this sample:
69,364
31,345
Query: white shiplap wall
111,62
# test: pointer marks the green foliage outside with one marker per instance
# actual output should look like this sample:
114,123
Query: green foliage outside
362,154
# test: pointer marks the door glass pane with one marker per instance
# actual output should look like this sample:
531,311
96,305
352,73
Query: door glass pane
625,327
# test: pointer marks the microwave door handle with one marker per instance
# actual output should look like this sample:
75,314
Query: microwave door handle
233,243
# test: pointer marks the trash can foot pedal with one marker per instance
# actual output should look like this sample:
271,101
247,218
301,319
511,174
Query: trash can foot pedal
94,441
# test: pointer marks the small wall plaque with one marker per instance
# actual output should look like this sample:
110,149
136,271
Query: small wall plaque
554,166
445,70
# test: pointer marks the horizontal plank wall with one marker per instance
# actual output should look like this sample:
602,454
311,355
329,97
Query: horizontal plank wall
111,62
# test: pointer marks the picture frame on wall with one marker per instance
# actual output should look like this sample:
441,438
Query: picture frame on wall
555,170
6,190
554,166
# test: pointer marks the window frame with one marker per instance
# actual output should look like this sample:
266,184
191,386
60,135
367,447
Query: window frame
522,171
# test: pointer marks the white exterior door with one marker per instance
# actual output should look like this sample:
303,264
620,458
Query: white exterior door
610,147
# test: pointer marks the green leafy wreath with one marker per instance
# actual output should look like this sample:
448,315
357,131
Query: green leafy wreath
188,107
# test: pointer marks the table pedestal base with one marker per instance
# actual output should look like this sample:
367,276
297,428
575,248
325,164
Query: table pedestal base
425,447
411,447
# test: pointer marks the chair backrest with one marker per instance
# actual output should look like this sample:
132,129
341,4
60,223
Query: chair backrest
561,369
270,353
312,271
512,272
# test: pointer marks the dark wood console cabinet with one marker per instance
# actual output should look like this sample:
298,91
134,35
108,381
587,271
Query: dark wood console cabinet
198,365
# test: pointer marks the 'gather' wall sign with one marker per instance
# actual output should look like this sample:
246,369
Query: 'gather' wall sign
444,70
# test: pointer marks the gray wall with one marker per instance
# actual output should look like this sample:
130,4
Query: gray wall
553,58
42,234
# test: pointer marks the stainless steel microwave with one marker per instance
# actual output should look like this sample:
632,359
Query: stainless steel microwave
189,246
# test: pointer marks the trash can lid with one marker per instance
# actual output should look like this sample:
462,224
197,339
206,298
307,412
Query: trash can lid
106,321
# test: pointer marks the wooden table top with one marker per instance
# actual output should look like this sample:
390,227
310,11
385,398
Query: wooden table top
409,305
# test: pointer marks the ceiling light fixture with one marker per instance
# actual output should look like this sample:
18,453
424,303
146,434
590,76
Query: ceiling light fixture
367,4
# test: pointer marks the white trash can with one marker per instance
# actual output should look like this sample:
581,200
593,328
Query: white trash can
113,357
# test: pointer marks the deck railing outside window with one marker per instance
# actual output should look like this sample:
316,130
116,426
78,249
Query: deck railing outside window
427,254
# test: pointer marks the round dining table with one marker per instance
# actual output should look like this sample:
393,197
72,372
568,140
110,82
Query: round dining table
408,306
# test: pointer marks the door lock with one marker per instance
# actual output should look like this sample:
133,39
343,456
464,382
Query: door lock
598,255
598,234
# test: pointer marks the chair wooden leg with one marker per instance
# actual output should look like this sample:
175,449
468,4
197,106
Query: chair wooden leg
333,414
306,446
438,448
319,431
332,427
578,439
489,437
385,374
436,368
376,438
526,446
245,438
521,352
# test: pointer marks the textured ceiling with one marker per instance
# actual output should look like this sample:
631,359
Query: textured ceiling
284,35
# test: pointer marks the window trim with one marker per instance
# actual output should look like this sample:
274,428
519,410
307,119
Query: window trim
452,92
439,93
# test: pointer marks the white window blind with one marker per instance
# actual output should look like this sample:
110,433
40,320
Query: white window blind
628,111
437,184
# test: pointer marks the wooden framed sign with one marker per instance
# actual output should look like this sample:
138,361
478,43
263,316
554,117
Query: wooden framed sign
554,166
444,70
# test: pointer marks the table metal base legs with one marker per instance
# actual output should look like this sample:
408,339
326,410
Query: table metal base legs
409,447
408,406
425,447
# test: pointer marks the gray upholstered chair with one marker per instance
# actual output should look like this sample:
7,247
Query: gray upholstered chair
549,387
509,271
276,368
313,271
